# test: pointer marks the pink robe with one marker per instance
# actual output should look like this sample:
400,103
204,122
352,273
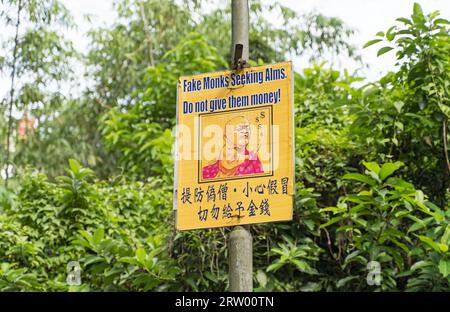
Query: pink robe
252,165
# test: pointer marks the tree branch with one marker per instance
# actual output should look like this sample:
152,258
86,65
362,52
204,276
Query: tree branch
147,33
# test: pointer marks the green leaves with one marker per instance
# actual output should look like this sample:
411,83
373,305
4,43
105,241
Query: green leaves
418,16
74,166
445,239
261,277
371,42
398,106
441,21
384,50
43,62
390,34
444,267
333,221
99,234
376,174
372,166
405,21
275,266
445,109
388,169
359,177
291,253
375,217
439,247
94,223
77,171
141,255
17,279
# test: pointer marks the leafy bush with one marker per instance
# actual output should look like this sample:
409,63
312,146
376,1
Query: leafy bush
405,115
116,232
365,158
388,222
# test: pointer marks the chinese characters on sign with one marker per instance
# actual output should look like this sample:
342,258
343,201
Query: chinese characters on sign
234,148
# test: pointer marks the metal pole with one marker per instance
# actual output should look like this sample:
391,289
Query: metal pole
240,247
239,28
240,244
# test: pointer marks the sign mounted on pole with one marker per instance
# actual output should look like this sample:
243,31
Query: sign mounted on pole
234,153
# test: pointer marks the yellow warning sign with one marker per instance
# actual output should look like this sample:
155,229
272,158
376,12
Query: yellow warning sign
234,154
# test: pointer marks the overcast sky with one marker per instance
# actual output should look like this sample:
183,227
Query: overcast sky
367,17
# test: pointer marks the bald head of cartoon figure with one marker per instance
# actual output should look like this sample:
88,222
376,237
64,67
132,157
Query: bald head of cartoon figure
237,132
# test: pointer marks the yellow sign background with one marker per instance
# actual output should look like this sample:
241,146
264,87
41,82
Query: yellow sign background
206,199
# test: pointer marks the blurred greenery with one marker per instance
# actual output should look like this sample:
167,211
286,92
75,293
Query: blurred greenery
91,174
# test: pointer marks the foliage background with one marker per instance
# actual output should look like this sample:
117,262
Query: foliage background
372,166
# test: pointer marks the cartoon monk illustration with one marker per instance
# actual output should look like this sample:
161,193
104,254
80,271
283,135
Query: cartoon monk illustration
234,159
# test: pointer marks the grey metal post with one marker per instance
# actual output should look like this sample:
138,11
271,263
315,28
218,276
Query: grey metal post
240,244
239,28
240,248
